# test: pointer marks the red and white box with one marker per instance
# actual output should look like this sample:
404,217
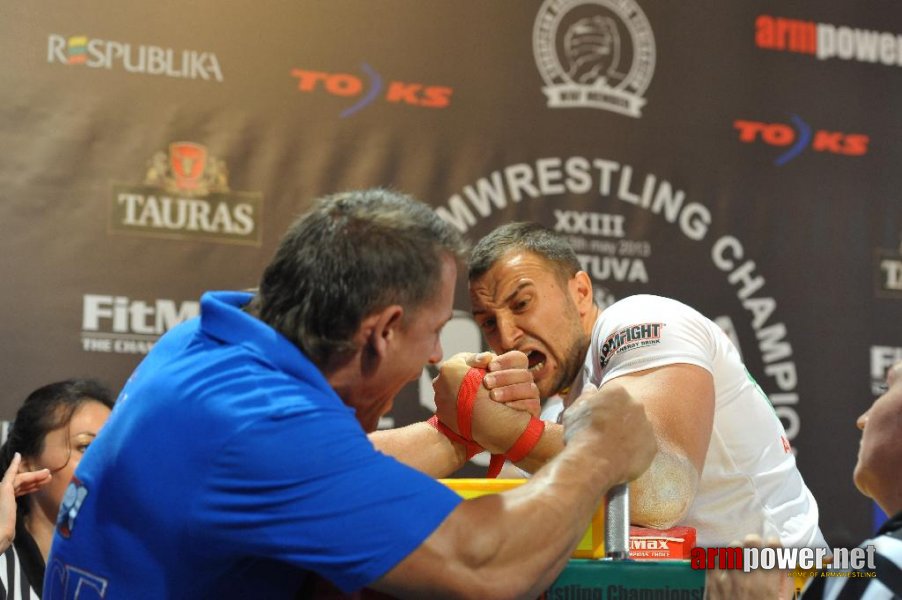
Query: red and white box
661,544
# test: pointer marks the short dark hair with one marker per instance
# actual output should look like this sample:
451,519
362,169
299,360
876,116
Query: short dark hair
524,236
45,409
350,255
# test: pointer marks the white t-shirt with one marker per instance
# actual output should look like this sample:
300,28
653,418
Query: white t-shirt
750,482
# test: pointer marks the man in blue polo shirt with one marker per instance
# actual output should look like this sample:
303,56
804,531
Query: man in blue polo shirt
236,463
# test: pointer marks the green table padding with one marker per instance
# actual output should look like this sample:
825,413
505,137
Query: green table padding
585,579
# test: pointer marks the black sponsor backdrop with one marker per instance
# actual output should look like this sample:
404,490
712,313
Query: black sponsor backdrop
470,131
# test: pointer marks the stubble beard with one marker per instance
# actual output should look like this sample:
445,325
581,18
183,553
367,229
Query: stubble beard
572,361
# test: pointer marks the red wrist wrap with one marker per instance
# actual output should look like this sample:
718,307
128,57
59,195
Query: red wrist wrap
527,440
472,447
521,448
466,398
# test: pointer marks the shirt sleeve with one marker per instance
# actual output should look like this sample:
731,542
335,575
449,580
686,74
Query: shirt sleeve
645,332
309,489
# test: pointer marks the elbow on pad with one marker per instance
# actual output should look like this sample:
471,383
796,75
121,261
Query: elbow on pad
661,497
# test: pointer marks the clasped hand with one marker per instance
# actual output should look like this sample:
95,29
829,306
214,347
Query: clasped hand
506,396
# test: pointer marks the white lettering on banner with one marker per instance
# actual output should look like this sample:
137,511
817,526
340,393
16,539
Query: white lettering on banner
602,268
882,358
892,269
596,177
188,214
575,175
120,325
776,352
861,45
186,194
826,41
599,224
150,60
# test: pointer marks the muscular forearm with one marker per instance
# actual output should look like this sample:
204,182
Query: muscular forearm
549,446
514,544
422,447
659,498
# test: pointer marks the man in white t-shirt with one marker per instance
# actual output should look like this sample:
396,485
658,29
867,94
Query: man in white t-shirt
724,465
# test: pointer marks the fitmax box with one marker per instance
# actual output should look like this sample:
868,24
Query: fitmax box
661,544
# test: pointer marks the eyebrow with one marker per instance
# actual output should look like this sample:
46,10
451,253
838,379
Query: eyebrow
510,296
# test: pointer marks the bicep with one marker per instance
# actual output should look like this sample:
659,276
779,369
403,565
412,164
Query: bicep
679,402
492,546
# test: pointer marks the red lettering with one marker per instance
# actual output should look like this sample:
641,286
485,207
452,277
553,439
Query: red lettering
729,558
748,130
856,144
436,96
342,84
399,91
307,79
715,558
803,37
764,32
796,36
786,34
697,558
828,141
777,134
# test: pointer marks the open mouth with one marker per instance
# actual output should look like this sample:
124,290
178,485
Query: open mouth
536,360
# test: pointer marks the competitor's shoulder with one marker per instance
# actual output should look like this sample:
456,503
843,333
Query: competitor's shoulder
657,312
649,304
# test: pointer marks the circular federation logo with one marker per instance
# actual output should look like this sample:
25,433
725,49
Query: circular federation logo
594,54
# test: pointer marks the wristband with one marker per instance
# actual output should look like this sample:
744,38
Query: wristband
472,447
527,441
466,398
521,448
495,466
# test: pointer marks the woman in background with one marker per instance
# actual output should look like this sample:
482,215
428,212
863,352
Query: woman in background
51,432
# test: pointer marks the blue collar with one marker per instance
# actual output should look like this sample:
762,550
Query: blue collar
222,318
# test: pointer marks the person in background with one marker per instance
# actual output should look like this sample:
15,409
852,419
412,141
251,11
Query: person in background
12,485
237,463
877,476
46,441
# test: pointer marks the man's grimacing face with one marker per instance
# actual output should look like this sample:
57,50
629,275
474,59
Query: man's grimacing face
418,343
521,304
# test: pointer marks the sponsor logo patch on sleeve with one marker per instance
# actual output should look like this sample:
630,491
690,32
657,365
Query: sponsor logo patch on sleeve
630,338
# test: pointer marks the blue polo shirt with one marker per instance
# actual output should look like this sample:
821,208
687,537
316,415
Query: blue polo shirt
230,469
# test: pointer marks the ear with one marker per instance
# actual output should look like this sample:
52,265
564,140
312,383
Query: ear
581,292
382,328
